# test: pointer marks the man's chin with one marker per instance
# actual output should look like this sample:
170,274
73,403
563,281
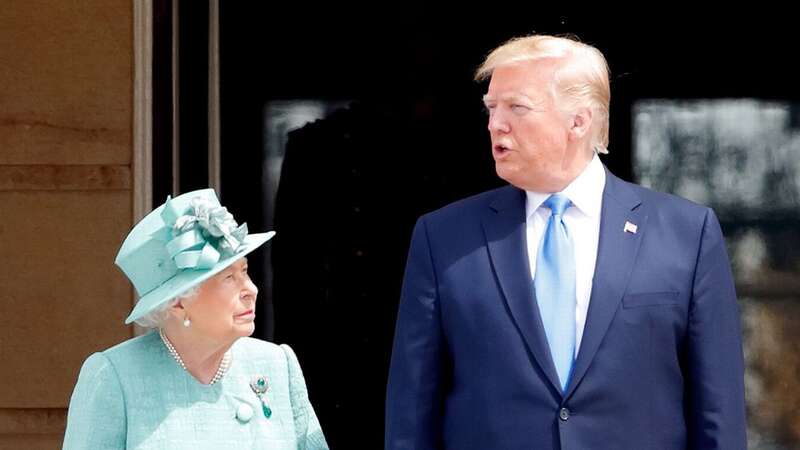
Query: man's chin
527,182
505,172
512,176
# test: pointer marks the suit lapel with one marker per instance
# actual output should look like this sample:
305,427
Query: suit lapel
616,255
504,226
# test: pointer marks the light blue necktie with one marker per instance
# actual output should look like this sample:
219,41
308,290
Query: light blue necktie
554,283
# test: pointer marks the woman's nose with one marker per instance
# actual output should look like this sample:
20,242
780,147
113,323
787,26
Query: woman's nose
249,291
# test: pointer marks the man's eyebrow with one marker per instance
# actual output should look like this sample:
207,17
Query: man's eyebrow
510,96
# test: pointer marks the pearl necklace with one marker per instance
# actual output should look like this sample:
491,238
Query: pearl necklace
223,366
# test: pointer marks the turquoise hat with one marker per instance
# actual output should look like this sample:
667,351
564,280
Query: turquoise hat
182,243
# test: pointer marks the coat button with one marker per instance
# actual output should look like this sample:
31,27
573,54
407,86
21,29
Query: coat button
563,414
244,412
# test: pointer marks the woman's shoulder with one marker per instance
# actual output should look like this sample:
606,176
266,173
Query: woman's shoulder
258,348
266,352
132,346
134,352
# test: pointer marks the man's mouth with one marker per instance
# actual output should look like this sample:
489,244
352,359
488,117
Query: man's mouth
500,150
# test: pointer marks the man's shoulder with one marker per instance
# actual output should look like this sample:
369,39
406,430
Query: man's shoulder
664,200
471,207
667,207
461,222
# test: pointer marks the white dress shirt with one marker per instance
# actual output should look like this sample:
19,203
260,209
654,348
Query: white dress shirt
582,220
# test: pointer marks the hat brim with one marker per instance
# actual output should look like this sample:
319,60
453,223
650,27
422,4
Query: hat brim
188,278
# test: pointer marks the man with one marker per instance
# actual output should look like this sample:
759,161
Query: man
569,310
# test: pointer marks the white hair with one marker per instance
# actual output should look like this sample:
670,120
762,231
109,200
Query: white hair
581,80
157,317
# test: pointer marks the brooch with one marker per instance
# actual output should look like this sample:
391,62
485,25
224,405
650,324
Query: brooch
260,386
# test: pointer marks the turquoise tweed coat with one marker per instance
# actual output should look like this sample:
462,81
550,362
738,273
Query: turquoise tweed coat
136,396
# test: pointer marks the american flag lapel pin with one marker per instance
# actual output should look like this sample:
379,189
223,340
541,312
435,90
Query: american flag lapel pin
630,227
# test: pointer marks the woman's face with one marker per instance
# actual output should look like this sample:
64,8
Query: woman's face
225,305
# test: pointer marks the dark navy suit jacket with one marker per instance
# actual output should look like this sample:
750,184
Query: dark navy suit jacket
660,365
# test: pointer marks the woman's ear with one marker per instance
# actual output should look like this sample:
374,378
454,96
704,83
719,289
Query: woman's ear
177,310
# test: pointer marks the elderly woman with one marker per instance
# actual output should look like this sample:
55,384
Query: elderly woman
196,381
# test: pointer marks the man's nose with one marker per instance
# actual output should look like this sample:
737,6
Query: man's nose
498,122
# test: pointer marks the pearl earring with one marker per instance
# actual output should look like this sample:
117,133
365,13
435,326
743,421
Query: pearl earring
187,322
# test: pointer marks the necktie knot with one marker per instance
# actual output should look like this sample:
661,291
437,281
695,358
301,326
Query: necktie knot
558,204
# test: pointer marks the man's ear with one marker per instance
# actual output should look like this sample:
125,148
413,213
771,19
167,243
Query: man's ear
581,123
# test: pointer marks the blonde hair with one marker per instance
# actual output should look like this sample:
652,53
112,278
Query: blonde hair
581,80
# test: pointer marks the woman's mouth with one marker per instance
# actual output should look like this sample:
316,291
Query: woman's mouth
247,315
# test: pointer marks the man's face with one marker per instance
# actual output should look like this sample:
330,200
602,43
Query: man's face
533,145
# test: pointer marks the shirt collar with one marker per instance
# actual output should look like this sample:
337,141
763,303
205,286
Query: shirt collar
585,192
